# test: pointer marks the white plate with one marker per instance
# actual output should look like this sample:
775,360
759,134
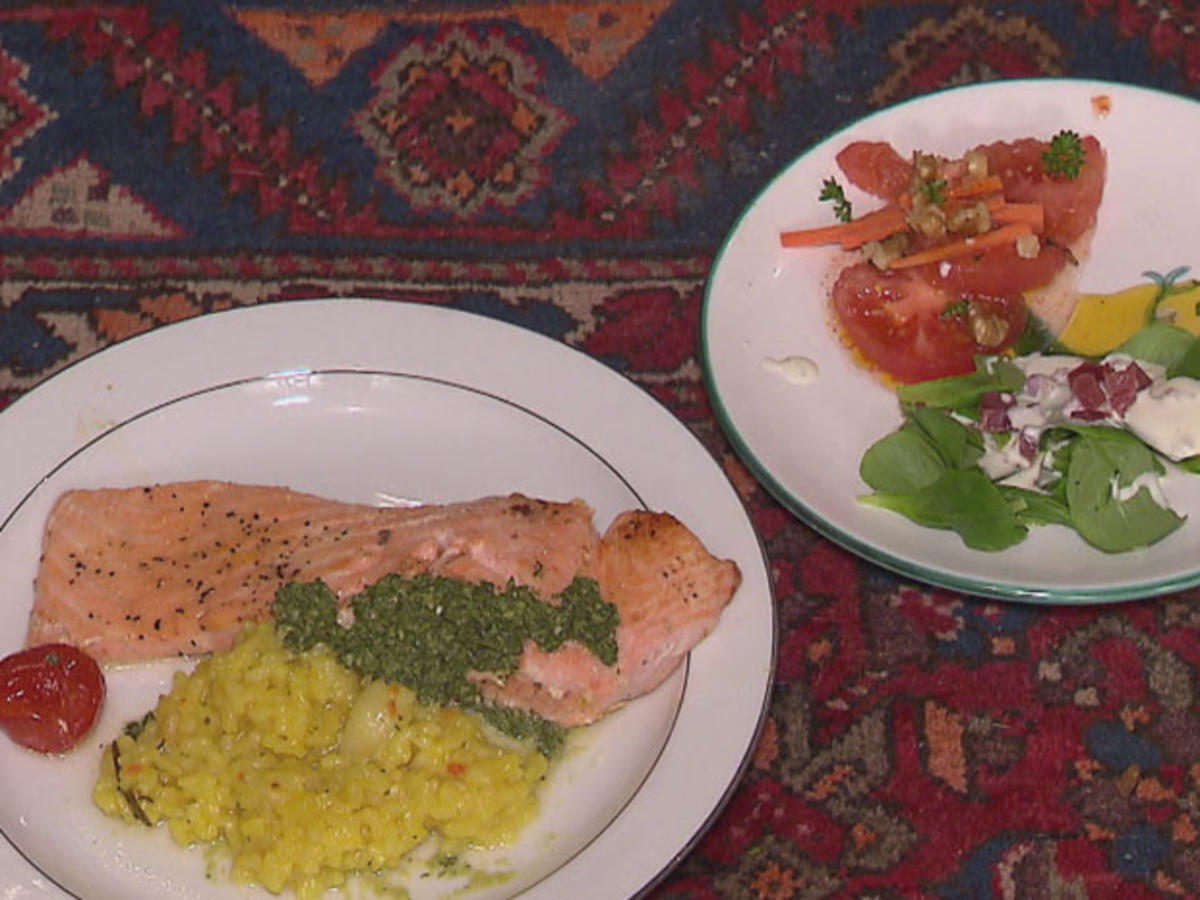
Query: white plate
804,443
390,403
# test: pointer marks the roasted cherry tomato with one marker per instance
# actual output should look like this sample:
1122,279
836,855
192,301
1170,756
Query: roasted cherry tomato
50,696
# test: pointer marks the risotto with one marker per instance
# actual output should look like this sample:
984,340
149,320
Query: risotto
305,774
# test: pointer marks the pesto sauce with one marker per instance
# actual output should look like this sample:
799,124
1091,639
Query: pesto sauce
427,632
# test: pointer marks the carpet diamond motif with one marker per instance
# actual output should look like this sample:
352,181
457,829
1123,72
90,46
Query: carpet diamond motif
21,115
457,125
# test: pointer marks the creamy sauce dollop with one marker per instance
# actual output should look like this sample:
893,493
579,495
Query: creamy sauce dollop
793,369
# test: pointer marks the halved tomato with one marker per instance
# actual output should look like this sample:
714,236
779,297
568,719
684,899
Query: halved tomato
913,331
999,270
1069,204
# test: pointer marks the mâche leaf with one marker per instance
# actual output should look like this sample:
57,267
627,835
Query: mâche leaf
963,391
901,462
1110,509
958,445
1159,343
963,500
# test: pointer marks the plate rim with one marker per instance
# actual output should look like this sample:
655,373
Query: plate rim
647,875
1019,593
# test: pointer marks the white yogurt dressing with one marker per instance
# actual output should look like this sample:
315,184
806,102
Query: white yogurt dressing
793,369
1147,480
1165,416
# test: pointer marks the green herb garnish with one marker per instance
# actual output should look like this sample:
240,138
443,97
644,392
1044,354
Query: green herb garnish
1065,155
429,633
934,191
955,309
832,191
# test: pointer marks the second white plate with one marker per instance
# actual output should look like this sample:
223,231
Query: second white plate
804,442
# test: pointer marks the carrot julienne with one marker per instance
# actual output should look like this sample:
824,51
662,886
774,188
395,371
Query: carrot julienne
965,247
987,184
1006,213
873,226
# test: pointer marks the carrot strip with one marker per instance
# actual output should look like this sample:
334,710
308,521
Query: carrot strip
889,220
987,184
1011,213
814,237
964,247
872,227
875,226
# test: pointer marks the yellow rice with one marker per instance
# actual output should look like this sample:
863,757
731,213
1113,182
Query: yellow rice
306,774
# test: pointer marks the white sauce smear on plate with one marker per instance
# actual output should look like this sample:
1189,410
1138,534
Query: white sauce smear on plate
793,369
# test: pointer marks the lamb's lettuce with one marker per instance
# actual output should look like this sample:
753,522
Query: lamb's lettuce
1159,343
928,471
963,392
1109,508
962,500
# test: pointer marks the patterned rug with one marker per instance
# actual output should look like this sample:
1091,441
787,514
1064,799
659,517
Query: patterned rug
571,166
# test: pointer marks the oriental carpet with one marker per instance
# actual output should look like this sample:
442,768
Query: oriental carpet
571,166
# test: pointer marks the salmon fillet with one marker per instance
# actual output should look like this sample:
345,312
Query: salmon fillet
141,573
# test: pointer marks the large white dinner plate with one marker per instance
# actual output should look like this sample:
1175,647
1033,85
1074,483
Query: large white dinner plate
804,442
387,403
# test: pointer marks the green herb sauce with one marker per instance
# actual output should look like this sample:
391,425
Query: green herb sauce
428,632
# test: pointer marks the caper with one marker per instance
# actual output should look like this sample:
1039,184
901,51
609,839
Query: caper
973,219
988,331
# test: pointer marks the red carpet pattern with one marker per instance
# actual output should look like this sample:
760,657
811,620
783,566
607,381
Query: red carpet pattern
572,167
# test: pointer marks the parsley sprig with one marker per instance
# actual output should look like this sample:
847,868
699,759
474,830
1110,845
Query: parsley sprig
1065,155
935,191
832,191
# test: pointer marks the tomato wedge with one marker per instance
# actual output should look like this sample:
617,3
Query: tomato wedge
910,330
50,696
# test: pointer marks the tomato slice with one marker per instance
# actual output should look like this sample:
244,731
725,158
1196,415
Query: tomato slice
913,331
50,696
998,271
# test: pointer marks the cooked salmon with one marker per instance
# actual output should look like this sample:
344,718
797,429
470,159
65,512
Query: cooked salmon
670,592
176,569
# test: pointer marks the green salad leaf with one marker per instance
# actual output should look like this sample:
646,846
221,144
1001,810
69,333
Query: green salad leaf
1159,343
902,462
927,469
963,500
1108,509
963,392
1035,508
